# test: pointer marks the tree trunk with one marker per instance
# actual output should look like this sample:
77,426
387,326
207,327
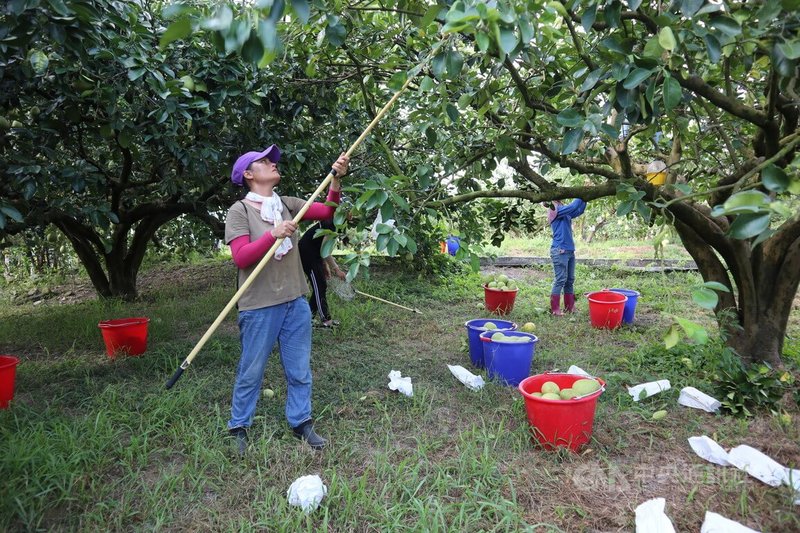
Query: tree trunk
754,317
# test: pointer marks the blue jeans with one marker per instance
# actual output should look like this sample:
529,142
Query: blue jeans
564,267
290,325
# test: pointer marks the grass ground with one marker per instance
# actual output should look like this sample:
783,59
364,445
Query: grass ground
539,246
92,443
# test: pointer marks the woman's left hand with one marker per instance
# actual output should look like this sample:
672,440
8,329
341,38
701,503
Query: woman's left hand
341,164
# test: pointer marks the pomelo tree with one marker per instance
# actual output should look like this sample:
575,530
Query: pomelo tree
702,94
108,135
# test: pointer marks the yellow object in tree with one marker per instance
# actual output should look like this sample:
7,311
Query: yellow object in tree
656,173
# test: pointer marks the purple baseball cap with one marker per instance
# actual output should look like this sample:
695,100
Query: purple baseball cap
273,153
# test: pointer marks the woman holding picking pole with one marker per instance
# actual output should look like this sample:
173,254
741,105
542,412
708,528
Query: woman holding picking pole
274,308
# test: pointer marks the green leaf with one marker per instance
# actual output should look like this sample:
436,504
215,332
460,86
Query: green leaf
634,4
570,118
508,40
749,225
705,298
452,112
276,11
430,15
588,18
746,201
253,50
694,331
652,49
177,30
438,65
624,208
726,25
775,179
39,62
483,41
426,84
717,286
592,79
328,243
572,140
713,47
790,49
636,77
12,212
397,80
455,61
301,9
335,34
672,93
672,337
690,7
667,39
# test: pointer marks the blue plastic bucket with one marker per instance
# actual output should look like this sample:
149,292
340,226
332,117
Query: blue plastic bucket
630,305
475,328
508,362
453,244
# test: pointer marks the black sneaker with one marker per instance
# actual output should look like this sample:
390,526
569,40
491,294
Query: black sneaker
240,436
305,431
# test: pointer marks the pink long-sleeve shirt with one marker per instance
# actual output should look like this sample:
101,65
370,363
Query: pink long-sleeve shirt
246,252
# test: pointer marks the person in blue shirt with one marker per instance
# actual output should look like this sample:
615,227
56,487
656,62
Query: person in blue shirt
562,252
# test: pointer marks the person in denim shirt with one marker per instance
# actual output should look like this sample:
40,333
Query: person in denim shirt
562,252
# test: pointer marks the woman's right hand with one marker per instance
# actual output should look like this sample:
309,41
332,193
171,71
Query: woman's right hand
284,229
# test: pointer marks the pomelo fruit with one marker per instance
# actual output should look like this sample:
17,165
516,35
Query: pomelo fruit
550,387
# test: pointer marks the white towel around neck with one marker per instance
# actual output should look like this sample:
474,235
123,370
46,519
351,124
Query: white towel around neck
271,209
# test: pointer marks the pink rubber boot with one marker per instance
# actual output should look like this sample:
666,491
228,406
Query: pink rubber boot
555,305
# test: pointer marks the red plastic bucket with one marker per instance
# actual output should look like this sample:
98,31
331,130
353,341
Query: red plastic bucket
8,374
566,423
606,308
125,335
499,302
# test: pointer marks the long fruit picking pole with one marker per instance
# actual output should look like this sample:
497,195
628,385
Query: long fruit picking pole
186,362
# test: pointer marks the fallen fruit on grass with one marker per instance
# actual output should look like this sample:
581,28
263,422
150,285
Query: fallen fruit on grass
528,327
269,393
550,387
658,415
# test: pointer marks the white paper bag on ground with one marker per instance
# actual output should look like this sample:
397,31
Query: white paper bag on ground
715,523
307,492
399,383
644,390
650,517
758,465
466,377
578,370
709,450
691,397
